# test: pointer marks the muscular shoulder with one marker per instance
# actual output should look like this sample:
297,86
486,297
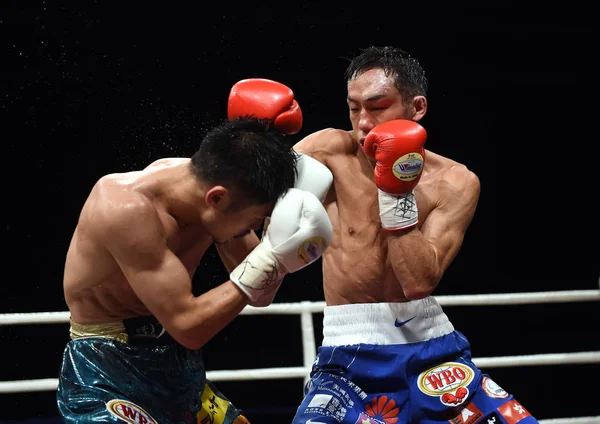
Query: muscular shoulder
455,179
116,210
166,162
326,143
462,180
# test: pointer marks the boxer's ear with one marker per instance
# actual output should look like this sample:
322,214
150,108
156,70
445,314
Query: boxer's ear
419,105
218,198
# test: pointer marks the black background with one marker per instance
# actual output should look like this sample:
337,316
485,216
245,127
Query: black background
94,87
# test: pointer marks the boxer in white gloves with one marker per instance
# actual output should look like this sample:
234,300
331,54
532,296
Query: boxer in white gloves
136,326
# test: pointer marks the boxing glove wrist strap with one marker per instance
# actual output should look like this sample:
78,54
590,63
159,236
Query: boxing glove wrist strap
258,272
397,211
268,295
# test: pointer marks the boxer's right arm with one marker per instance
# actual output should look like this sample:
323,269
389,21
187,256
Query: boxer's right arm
265,99
326,144
274,101
136,239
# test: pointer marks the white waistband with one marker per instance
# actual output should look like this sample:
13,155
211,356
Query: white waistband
385,323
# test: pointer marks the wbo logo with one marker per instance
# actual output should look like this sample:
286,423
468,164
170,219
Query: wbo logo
449,381
129,412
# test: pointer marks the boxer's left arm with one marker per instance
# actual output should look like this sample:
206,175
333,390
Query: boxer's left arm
420,255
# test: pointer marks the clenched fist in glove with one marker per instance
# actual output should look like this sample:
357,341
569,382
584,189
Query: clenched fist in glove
298,233
265,99
397,147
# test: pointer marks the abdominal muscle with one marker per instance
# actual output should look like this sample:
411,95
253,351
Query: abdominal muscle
356,268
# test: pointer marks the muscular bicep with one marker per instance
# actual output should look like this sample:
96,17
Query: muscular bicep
324,144
309,148
446,225
160,281
137,241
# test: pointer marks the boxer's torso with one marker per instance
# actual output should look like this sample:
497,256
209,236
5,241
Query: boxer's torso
96,290
356,267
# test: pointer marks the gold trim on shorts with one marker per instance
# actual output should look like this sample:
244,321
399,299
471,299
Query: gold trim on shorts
110,330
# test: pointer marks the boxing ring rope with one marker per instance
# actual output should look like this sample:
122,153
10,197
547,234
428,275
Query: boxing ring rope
306,310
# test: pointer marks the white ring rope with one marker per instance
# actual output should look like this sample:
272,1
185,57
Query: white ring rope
564,296
282,373
306,309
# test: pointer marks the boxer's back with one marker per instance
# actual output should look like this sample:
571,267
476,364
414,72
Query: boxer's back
95,288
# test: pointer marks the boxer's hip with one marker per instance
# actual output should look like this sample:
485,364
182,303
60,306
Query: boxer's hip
103,372
385,323
138,331
130,355
112,351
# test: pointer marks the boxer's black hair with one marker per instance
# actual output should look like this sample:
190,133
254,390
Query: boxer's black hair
249,158
409,76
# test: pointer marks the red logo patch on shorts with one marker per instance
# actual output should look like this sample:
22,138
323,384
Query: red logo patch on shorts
513,412
470,414
382,410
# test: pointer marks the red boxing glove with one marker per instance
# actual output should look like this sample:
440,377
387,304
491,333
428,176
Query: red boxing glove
265,99
397,146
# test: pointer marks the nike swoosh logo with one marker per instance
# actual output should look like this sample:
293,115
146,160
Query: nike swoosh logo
310,421
400,324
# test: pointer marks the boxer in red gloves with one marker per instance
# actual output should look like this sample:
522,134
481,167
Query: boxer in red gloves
399,215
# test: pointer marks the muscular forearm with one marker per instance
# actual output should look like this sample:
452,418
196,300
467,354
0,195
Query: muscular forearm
414,261
209,314
234,251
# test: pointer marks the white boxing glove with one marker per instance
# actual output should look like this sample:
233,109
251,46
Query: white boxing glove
313,176
268,295
299,232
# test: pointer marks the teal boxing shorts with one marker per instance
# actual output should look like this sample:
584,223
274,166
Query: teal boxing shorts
400,363
133,371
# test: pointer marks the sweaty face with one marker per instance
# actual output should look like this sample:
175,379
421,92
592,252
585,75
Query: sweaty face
237,224
374,99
